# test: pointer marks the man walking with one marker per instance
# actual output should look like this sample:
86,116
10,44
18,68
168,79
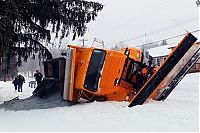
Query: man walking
16,82
20,83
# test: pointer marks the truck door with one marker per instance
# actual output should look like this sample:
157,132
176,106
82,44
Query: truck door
94,70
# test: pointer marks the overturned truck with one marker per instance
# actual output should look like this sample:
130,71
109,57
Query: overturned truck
126,75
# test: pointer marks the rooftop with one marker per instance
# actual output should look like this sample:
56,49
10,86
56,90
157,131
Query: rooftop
161,51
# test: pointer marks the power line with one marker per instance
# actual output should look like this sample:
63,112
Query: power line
174,26
159,30
168,38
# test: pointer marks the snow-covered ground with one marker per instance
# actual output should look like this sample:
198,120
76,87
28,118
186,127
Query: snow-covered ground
180,112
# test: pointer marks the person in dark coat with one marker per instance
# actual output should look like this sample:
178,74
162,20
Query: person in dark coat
21,80
16,82
38,77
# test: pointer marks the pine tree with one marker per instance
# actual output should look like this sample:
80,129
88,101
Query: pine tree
24,24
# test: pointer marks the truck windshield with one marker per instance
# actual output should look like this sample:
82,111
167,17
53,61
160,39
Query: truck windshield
94,70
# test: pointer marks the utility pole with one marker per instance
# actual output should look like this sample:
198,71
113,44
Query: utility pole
198,3
83,40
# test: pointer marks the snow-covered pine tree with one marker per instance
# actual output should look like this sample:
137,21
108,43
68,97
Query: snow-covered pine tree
23,24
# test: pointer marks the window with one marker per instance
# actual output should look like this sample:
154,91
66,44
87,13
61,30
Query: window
158,61
94,70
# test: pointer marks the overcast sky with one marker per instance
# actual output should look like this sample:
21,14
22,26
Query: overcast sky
137,22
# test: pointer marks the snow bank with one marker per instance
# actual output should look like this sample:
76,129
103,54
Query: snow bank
179,112
7,90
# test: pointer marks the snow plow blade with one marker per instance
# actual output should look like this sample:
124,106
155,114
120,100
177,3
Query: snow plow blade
189,59
158,77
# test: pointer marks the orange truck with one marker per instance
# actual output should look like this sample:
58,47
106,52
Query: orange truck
125,75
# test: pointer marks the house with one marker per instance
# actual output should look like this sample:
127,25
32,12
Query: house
159,55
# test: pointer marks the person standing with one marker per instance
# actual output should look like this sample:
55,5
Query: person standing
21,80
38,77
16,82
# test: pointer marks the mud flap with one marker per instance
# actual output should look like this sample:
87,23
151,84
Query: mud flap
155,80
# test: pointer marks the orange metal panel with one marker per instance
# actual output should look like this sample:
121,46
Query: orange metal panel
82,61
112,71
135,54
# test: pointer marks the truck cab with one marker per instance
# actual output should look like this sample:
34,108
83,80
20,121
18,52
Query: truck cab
100,73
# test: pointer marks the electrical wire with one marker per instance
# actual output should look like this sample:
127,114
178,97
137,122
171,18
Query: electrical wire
163,39
168,38
159,30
